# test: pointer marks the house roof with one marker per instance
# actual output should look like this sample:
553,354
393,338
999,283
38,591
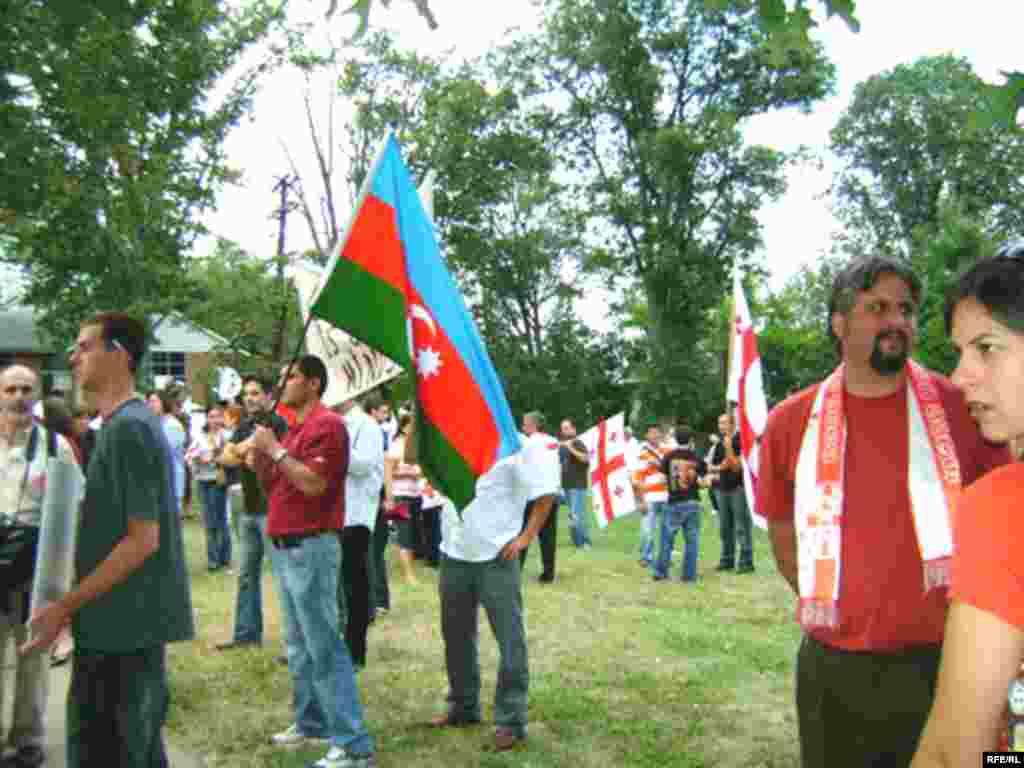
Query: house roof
18,332
173,333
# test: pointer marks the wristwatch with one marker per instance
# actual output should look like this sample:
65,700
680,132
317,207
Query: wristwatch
278,456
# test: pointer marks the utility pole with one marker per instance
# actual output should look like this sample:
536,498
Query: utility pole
282,187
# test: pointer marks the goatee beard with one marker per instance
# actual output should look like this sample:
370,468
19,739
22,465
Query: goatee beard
889,364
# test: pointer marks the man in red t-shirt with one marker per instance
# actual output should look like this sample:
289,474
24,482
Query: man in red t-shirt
850,543
304,475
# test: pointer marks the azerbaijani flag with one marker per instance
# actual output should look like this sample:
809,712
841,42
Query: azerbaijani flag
388,286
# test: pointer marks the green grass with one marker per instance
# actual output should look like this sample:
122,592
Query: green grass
624,671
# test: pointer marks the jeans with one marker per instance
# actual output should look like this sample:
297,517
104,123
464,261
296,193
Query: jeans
576,499
116,708
324,693
649,530
685,516
215,520
734,522
252,535
464,587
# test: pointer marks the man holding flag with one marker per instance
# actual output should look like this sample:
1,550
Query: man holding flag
388,286
481,549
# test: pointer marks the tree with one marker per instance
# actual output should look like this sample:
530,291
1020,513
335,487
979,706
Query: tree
908,149
112,145
656,96
238,298
511,235
793,340
387,85
941,253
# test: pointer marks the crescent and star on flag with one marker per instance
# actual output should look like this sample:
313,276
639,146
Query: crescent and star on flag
428,360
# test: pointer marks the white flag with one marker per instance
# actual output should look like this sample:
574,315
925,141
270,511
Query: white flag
353,368
610,484
746,389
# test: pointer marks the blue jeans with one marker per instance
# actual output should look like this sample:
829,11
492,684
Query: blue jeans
577,502
215,520
324,692
685,516
649,530
252,535
734,523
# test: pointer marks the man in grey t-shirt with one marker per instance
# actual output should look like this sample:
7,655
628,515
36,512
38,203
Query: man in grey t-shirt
131,595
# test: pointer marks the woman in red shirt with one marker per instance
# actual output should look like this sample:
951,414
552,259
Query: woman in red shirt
984,642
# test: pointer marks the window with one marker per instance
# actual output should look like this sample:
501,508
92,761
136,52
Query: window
168,364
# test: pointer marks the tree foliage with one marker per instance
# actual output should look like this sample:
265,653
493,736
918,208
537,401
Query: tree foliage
657,95
908,150
112,146
793,339
511,233
236,297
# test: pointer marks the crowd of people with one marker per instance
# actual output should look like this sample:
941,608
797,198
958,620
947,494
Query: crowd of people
888,489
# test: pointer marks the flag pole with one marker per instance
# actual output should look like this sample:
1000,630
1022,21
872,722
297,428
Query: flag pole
730,345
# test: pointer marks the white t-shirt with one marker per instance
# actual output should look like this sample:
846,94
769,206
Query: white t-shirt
365,469
495,516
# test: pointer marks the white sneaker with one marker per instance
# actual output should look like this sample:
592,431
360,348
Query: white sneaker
337,757
293,737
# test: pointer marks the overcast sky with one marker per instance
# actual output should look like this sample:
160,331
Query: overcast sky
797,228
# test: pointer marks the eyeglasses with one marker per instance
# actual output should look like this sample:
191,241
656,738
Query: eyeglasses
81,347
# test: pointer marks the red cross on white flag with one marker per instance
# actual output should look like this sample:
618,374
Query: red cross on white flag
611,489
746,389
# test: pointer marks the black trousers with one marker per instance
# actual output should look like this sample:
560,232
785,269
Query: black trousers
116,709
431,521
355,581
859,709
380,592
548,542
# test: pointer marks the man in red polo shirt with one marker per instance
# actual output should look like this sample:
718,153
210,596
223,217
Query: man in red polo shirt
858,477
304,475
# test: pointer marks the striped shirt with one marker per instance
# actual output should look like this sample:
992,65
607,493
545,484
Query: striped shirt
650,478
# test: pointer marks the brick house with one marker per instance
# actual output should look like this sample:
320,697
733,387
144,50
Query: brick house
180,351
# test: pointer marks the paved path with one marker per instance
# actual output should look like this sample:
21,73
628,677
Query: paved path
55,708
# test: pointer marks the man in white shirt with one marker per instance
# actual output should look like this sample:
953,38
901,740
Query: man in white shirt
363,483
24,449
546,451
481,547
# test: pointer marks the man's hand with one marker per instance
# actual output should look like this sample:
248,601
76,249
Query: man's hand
264,440
511,550
44,626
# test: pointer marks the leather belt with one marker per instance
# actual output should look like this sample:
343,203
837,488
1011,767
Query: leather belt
293,540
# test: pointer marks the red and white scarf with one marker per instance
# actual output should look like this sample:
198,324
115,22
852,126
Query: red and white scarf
933,484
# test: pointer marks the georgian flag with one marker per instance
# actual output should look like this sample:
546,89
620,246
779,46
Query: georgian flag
610,484
746,389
